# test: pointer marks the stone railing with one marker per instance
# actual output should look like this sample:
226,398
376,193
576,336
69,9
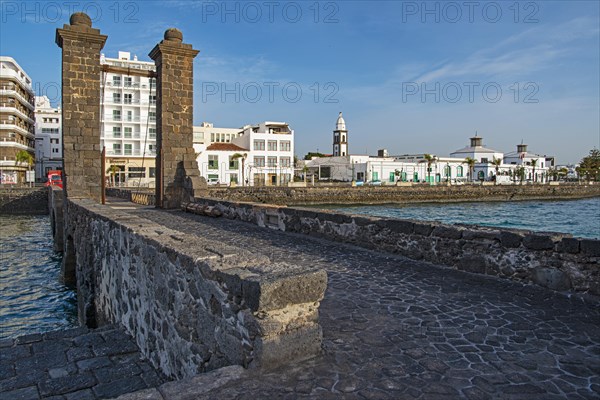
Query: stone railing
144,198
398,194
557,261
191,304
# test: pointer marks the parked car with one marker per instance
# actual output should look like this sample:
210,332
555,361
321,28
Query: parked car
359,183
374,183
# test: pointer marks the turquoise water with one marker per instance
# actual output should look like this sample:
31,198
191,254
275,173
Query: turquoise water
581,218
32,299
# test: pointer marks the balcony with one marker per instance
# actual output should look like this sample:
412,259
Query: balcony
11,109
16,128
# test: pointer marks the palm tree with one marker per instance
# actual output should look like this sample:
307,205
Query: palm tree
533,165
243,157
471,163
112,171
496,162
24,156
520,173
430,160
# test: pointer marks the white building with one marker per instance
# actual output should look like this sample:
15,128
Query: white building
48,138
535,167
17,120
128,108
484,169
255,155
340,138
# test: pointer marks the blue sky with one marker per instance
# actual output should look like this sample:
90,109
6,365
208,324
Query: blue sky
409,76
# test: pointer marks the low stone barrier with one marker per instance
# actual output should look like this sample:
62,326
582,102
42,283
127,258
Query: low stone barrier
139,197
23,200
400,194
554,260
55,207
192,304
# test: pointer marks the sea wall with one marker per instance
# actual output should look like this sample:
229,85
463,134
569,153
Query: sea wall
192,304
557,261
18,201
400,194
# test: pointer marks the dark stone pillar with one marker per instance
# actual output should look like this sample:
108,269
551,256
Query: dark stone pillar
81,73
178,176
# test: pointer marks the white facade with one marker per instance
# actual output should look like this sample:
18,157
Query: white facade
340,138
17,120
48,138
535,166
128,108
270,160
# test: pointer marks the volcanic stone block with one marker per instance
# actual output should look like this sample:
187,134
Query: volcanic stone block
538,242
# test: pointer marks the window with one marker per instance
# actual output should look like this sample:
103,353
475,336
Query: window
272,145
285,161
459,172
117,131
152,99
128,81
152,83
152,172
128,131
116,115
272,162
116,81
152,133
152,149
128,98
129,116
55,150
233,163
284,145
152,116
137,172
213,162
484,160
116,98
116,148
259,161
128,149
447,171
259,145
233,178
392,176
53,141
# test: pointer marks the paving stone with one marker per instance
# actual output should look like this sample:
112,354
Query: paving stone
85,394
93,363
119,387
34,337
67,384
27,393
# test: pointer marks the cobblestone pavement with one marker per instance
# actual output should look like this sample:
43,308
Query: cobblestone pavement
73,364
396,328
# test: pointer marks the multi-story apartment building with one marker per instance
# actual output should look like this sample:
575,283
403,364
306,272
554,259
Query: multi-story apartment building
128,107
270,159
16,120
255,155
48,138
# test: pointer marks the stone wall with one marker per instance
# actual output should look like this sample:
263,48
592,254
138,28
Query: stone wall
19,201
557,261
399,194
134,196
192,304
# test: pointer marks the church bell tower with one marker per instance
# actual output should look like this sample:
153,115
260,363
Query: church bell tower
340,138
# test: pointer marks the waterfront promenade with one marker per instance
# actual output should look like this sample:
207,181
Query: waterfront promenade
393,329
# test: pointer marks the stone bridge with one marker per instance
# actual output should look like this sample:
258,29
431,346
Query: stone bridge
280,302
